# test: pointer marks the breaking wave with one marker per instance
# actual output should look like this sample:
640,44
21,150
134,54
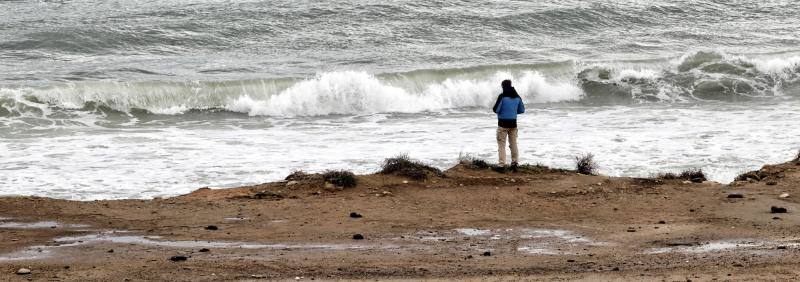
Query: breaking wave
698,76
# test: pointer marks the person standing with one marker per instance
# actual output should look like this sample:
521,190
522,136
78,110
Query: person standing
507,107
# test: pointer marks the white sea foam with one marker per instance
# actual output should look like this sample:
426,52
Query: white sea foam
162,160
361,93
778,65
639,74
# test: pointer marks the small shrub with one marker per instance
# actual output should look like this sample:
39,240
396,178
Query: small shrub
480,164
402,165
537,168
667,176
341,178
797,158
690,175
585,164
472,161
296,175
693,175
754,175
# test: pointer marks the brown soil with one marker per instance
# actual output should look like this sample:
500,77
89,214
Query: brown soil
535,224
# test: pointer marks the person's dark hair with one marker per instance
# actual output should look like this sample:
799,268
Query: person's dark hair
508,90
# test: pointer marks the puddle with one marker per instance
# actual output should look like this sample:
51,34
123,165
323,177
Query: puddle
31,253
41,252
555,242
473,231
537,250
158,241
565,235
38,225
718,246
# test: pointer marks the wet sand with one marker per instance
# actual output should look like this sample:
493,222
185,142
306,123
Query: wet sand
475,224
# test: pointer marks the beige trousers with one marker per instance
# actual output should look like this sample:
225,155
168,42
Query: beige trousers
511,135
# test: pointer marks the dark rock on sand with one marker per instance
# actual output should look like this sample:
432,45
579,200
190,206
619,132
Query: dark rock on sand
772,183
487,253
355,215
735,196
358,237
781,247
204,250
178,258
775,209
662,222
212,227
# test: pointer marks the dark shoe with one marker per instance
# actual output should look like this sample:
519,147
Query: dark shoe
514,166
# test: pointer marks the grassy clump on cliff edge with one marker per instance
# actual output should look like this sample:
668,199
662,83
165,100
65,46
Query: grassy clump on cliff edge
690,175
340,178
472,161
752,175
797,158
296,175
402,165
585,164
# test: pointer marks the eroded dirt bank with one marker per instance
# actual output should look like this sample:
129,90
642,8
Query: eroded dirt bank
475,224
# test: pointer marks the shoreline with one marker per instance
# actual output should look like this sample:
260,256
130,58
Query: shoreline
468,222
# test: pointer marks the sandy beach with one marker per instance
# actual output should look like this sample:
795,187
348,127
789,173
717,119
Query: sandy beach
467,224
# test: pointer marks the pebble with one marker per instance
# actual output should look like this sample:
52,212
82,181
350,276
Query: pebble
735,196
784,195
178,258
355,215
358,237
204,250
487,253
291,183
212,227
775,209
23,271
771,183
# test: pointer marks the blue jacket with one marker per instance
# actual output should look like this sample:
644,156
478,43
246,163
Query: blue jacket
507,107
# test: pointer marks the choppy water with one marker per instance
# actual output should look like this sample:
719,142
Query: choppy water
137,99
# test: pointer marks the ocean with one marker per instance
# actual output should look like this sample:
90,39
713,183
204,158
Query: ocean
142,99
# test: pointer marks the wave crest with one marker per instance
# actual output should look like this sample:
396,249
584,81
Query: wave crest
694,77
